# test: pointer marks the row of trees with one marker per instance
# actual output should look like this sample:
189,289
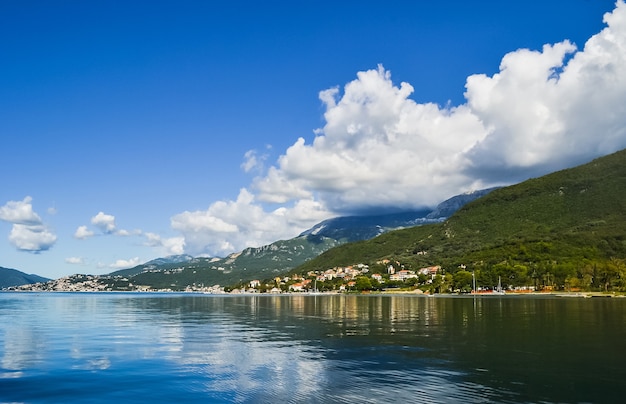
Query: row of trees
583,275
588,275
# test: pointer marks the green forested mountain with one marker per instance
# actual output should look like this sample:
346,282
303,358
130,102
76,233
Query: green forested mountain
262,262
13,277
563,230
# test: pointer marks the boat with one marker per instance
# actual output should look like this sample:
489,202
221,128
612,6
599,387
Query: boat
498,290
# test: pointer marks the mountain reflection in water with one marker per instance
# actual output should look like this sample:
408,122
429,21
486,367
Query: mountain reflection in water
64,347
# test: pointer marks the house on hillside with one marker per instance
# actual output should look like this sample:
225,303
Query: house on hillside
430,272
296,287
403,275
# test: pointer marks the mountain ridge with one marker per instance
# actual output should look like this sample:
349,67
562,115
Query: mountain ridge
568,227
12,277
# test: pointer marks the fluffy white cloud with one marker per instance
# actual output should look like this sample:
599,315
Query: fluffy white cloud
552,109
122,264
28,232
32,238
106,223
169,246
20,212
378,148
230,226
544,110
82,232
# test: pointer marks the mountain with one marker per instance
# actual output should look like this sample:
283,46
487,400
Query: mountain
169,261
354,228
569,224
447,208
12,277
252,263
277,258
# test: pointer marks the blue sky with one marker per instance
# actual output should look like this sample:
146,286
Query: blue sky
133,130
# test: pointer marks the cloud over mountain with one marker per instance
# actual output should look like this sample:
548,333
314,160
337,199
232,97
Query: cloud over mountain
228,226
544,110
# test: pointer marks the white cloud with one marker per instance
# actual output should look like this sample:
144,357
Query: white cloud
106,223
378,148
555,108
128,233
169,246
544,110
28,232
82,232
229,226
122,264
75,261
32,238
20,212
253,161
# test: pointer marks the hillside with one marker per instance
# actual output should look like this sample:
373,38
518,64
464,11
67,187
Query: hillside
568,227
268,261
12,277
262,262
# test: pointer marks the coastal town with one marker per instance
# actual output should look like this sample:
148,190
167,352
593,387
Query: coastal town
349,279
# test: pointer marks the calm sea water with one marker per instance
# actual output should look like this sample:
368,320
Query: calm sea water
101,348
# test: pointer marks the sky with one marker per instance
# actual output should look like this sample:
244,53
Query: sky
140,129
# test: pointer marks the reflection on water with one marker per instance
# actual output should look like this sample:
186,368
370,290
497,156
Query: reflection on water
178,347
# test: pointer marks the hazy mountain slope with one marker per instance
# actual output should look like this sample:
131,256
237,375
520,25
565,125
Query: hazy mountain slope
12,277
171,261
447,208
354,228
281,256
252,263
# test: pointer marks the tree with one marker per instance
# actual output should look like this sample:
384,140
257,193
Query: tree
363,283
463,281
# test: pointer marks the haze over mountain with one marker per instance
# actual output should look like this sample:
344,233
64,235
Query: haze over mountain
283,255
570,224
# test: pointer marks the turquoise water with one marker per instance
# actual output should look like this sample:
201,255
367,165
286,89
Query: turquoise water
99,348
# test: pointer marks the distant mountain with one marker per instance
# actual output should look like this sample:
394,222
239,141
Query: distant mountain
447,208
12,277
277,258
170,260
354,228
565,227
252,263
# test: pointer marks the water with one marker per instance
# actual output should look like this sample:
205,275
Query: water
100,348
